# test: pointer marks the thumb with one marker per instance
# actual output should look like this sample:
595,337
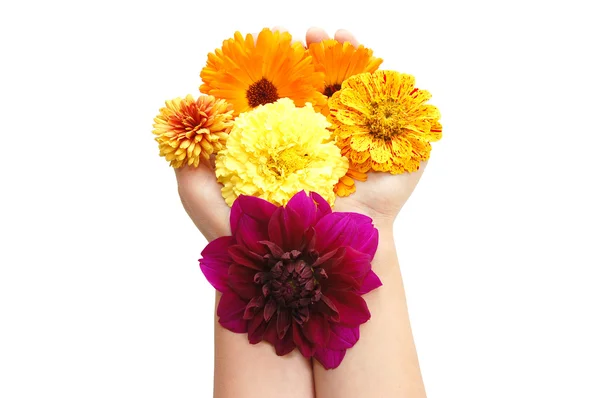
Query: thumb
200,194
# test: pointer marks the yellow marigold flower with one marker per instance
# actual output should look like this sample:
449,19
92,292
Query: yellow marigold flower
189,130
248,73
278,150
339,61
382,122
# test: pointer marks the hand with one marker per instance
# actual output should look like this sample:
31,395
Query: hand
200,194
382,196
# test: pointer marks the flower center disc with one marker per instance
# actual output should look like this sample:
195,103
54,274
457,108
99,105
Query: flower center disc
329,90
288,161
261,92
386,119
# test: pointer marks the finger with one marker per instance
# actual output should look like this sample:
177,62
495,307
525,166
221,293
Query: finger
200,194
315,35
342,35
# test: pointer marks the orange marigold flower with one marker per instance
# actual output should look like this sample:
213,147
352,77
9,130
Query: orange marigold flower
189,130
339,61
248,73
382,122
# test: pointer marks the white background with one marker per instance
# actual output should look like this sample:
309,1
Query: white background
100,290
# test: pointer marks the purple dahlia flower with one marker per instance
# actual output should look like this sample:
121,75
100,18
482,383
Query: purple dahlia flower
293,276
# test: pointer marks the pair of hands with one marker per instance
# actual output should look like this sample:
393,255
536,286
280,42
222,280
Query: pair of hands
380,197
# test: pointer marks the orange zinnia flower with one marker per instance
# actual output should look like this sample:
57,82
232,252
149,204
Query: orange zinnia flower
248,73
382,122
189,130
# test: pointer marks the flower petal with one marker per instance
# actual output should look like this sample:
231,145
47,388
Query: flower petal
215,262
343,338
241,281
286,229
253,207
256,328
250,232
231,311
340,282
305,207
352,308
253,307
284,321
242,256
285,345
346,229
332,232
304,346
330,359
323,207
355,264
370,282
316,330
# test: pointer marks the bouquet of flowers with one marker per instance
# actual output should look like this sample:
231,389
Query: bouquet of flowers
290,128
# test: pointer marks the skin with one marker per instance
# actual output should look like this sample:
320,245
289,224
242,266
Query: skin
383,363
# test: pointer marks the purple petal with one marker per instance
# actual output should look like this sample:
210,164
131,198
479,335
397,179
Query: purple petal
368,241
270,309
327,308
341,282
231,312
330,359
235,325
284,321
343,338
352,308
346,229
354,263
215,262
275,250
256,328
304,346
286,229
235,215
316,330
285,345
277,228
331,259
305,207
270,334
249,232
332,231
242,256
255,305
323,207
241,281
370,282
258,209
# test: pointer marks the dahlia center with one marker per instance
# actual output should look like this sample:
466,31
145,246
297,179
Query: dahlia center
293,284
386,119
289,161
261,92
290,284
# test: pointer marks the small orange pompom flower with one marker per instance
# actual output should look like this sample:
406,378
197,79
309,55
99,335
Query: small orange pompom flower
188,131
